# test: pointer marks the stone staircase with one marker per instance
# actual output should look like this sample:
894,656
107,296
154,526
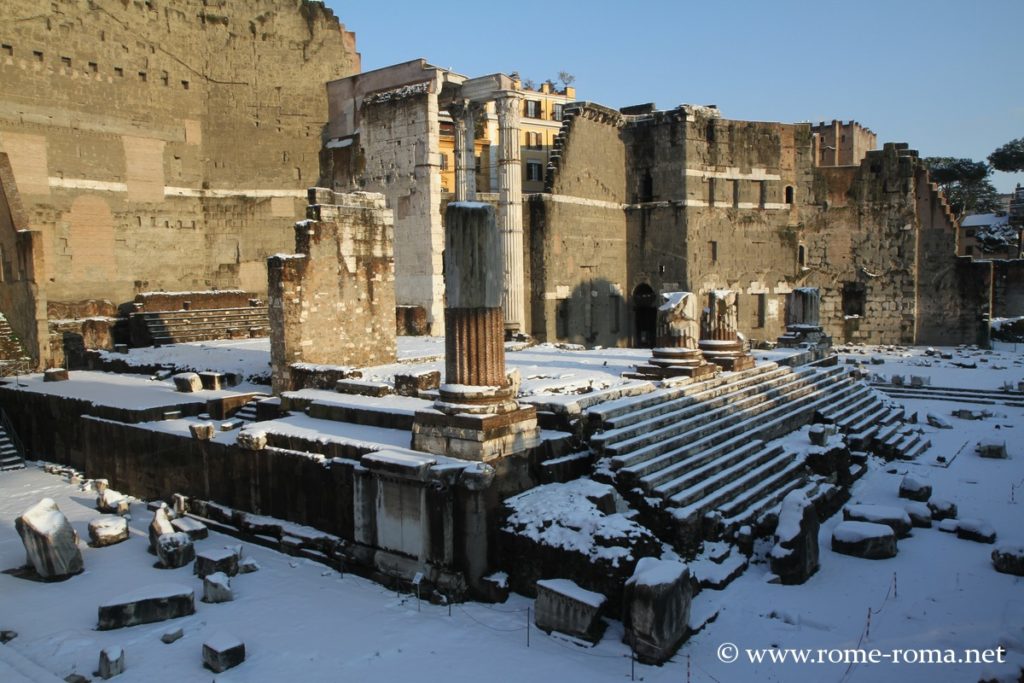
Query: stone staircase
175,327
11,452
13,359
703,448
247,413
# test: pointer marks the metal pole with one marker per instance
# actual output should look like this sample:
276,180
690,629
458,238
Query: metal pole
527,627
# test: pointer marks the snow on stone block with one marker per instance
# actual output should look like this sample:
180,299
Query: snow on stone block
187,382
252,439
217,588
55,375
864,539
160,525
195,529
565,607
937,422
107,530
1009,559
175,550
895,517
412,383
406,465
113,502
949,525
146,605
975,530
213,560
172,635
248,565
913,488
992,449
920,514
222,652
202,431
111,662
656,609
51,544
942,509
794,559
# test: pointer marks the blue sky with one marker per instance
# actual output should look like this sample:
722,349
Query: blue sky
946,77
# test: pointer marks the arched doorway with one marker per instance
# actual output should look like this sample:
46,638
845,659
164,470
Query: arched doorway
645,316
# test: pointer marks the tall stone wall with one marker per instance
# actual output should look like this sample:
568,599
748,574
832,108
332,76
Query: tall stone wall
576,233
162,145
1008,288
333,302
385,138
22,300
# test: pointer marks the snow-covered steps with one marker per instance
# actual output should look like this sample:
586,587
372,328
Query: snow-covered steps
11,455
956,395
172,327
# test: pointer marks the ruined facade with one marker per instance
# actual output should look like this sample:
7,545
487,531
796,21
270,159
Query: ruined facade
333,302
163,145
644,202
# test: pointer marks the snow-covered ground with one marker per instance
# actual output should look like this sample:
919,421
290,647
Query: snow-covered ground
302,621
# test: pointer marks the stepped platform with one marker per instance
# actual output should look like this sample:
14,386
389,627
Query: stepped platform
156,328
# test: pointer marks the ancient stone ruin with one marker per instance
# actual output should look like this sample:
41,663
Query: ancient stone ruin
333,301
476,416
720,340
675,353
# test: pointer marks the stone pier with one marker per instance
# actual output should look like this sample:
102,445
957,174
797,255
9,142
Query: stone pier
676,353
476,416
720,341
803,322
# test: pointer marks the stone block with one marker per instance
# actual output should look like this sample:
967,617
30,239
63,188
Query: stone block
51,544
195,529
977,530
107,530
794,558
913,488
864,539
942,509
362,387
213,560
252,439
222,652
992,449
146,605
894,517
217,588
1009,559
160,525
202,431
187,382
174,550
55,375
920,515
656,609
565,607
410,384
212,381
171,636
111,501
819,434
111,662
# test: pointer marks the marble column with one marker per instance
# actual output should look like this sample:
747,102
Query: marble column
510,206
463,115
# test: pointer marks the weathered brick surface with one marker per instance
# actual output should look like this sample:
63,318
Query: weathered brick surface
333,302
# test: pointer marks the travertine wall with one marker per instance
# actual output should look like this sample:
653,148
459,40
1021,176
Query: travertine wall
712,204
22,300
164,145
384,133
333,302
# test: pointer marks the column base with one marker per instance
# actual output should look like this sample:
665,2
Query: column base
726,354
479,437
801,335
676,362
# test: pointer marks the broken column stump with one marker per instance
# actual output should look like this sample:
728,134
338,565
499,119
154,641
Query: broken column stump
657,609
720,341
476,416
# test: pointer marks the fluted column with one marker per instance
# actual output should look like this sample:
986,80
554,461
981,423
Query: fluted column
510,205
463,116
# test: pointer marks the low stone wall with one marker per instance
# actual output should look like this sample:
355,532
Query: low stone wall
149,302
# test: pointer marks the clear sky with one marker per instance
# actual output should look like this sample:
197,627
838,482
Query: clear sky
946,76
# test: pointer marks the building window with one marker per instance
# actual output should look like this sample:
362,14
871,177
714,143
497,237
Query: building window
760,310
119,72
556,112
763,197
713,246
562,319
94,67
711,191
184,85
709,132
8,50
65,61
478,164
970,232
736,193
789,194
531,109
969,251
534,171
143,77
38,55
854,296
801,256
444,161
